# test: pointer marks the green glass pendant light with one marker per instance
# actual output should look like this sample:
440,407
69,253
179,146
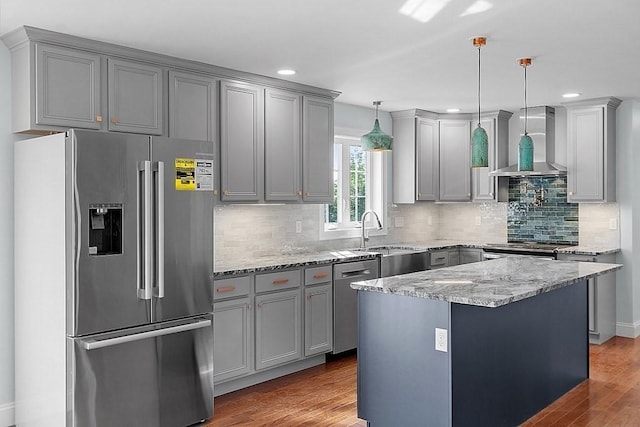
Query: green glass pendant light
525,146
479,138
376,140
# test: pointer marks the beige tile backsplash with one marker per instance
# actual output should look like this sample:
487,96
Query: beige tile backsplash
249,231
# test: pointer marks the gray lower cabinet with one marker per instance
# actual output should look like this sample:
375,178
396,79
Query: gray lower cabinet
241,142
453,256
193,106
318,319
278,328
601,297
282,146
232,322
469,255
455,162
317,150
136,97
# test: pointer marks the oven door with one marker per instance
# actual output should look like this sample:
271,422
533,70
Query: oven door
158,375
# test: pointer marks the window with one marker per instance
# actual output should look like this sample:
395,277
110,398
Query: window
357,183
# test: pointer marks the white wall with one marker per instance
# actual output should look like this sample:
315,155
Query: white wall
6,243
628,197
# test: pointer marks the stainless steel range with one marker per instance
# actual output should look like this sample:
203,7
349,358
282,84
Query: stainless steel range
543,250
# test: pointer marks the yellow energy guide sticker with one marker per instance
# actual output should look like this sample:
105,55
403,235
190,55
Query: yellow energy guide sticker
194,174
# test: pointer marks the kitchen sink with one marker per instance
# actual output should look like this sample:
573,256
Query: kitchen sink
399,260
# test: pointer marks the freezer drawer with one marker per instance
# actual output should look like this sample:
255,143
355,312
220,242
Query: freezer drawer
160,375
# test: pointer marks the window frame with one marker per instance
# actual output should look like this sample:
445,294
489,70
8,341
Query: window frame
376,191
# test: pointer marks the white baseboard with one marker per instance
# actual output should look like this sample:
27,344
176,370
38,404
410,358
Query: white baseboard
7,418
628,330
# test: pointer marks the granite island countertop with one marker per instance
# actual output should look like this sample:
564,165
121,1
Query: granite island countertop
490,283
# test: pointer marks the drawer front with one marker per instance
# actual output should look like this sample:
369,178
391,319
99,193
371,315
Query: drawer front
318,275
438,259
277,281
231,287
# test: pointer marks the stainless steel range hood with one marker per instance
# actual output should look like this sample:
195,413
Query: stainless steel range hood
541,128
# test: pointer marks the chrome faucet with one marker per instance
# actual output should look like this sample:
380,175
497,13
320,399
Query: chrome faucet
365,236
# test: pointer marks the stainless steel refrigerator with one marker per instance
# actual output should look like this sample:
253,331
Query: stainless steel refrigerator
114,257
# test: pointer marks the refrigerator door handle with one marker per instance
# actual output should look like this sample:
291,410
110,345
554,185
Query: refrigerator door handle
159,291
144,225
93,344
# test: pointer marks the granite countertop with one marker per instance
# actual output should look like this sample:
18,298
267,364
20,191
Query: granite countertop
284,261
589,250
490,283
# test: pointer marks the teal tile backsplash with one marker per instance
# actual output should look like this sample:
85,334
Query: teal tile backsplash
538,211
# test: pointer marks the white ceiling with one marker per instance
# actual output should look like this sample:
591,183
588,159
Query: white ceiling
367,50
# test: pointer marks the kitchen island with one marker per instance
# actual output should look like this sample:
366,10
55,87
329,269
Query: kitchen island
488,343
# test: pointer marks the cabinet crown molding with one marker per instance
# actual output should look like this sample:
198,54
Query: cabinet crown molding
27,34
608,101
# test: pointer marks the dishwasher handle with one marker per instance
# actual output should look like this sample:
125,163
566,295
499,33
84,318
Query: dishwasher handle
355,273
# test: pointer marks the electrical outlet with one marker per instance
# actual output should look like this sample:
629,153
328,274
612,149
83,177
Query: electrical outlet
399,221
478,220
441,340
613,223
298,226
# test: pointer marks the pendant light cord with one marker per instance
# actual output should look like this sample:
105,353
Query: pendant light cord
479,85
526,110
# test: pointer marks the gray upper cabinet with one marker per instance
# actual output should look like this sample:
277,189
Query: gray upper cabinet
317,150
496,124
415,156
241,141
591,150
427,167
193,102
54,88
67,88
455,164
135,97
282,145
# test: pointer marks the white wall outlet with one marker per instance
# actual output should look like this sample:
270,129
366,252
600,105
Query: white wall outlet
613,223
478,220
399,221
441,340
429,220
298,226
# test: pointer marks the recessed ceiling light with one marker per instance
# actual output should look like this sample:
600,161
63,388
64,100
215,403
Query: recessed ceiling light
571,95
453,110
286,72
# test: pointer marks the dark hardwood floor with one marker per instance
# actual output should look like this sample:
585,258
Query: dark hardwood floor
326,395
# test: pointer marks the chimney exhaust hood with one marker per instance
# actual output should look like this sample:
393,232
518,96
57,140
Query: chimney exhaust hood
541,129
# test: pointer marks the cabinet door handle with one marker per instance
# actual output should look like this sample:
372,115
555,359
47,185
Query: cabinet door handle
215,192
320,275
224,289
299,193
309,296
99,118
248,306
306,194
571,193
280,281
114,120
225,192
260,305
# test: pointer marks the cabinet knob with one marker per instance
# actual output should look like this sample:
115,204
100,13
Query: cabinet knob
306,194
468,194
491,194
308,296
215,192
299,193
225,192
114,120
99,118
260,305
249,306
571,193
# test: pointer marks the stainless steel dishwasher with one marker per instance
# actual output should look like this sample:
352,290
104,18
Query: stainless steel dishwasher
345,301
